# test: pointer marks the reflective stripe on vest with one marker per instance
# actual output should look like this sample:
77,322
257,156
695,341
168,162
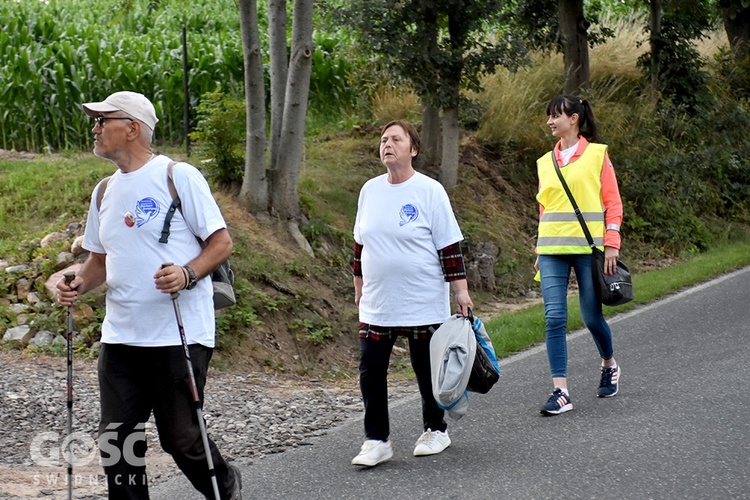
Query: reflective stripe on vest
559,229
571,216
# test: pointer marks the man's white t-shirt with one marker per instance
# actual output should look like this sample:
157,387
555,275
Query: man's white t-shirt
127,229
401,227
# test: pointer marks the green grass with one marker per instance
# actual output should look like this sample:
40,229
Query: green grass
334,171
43,195
516,331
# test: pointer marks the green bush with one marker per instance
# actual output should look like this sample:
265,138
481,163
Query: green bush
330,91
220,133
734,74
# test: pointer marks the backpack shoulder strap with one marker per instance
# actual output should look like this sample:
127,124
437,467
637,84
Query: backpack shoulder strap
100,191
176,204
170,180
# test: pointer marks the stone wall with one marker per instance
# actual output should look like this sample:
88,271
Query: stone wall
27,299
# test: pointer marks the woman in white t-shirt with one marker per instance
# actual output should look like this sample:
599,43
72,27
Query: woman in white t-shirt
407,259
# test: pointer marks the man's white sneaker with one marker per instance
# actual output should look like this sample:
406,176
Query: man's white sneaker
431,443
373,452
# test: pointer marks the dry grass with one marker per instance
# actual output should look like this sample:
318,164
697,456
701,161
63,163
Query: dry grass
390,103
709,46
516,101
619,55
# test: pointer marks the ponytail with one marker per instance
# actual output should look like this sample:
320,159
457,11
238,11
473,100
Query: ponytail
588,126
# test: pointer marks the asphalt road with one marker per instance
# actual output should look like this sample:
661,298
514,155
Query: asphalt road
678,429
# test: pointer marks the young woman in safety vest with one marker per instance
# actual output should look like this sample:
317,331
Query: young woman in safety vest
561,244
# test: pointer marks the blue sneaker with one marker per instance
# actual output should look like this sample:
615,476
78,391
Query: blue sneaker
610,382
558,402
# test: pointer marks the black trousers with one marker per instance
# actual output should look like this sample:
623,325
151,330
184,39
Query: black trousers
373,371
133,382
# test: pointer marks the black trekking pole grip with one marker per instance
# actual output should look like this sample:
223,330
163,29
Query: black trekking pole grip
69,277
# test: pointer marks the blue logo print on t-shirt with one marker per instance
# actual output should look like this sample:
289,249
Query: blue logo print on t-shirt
408,213
145,210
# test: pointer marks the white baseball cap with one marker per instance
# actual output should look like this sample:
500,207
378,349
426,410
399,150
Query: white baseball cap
136,105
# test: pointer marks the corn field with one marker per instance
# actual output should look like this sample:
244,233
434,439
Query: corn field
57,54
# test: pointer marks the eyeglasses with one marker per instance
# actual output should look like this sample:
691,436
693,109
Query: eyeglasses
99,120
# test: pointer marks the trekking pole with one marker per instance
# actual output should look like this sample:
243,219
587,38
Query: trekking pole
69,276
194,389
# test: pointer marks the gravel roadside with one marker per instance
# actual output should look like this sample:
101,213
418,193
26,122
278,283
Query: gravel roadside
249,415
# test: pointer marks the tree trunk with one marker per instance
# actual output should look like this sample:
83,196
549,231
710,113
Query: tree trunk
430,154
292,139
574,40
254,190
431,145
451,136
279,62
737,25
655,46
450,79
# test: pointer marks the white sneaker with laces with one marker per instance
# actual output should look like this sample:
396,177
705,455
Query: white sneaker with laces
431,443
373,452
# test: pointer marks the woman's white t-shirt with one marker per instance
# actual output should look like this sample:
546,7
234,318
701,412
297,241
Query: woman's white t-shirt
401,227
127,229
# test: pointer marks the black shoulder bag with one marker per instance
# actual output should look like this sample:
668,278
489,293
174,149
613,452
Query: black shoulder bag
612,290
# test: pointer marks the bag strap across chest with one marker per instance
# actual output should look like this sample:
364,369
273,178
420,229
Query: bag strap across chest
176,204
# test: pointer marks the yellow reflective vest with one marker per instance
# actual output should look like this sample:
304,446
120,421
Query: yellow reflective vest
559,229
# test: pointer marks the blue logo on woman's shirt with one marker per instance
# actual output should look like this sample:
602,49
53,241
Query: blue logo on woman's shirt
408,213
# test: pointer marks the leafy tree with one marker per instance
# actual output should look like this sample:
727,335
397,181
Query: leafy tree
736,17
735,65
534,22
560,25
673,63
439,47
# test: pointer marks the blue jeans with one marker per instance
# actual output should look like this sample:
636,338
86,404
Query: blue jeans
555,274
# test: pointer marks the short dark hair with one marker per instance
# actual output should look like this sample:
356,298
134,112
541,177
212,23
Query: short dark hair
572,105
410,130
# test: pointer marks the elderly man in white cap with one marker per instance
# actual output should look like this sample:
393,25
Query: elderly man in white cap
142,365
